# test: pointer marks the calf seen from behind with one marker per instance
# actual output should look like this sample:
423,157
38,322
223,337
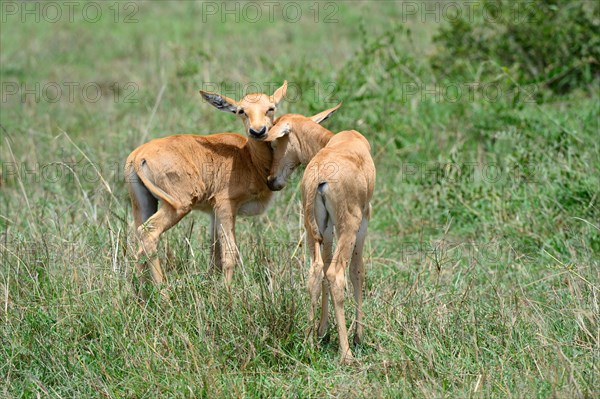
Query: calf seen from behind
337,187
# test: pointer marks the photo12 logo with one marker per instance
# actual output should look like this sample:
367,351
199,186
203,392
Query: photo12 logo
69,11
270,11
448,252
61,172
70,92
455,172
467,92
452,11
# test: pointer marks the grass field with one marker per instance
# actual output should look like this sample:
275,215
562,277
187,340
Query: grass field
482,258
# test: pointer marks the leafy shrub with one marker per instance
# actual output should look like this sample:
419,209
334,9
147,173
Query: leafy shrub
550,43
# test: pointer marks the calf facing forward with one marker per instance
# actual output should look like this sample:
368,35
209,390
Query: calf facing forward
336,189
222,174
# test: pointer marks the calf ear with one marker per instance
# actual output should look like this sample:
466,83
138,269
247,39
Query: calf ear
278,131
324,115
220,102
279,93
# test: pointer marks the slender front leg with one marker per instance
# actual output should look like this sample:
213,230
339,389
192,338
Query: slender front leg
215,247
225,231
357,276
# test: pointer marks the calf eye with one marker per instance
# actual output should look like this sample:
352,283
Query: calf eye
271,110
240,112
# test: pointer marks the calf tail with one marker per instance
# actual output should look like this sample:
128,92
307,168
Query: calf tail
311,195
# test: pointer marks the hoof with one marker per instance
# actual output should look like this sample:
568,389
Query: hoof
348,359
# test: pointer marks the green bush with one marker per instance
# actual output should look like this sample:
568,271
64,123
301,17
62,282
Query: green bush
550,43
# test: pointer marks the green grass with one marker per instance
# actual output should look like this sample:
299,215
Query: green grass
482,255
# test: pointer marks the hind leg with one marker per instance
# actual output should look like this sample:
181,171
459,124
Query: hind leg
315,279
346,233
337,284
357,276
327,255
316,283
149,233
150,224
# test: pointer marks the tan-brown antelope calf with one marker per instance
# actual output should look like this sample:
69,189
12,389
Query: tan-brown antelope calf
336,189
222,174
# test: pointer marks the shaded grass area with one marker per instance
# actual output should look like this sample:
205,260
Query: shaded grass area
482,255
